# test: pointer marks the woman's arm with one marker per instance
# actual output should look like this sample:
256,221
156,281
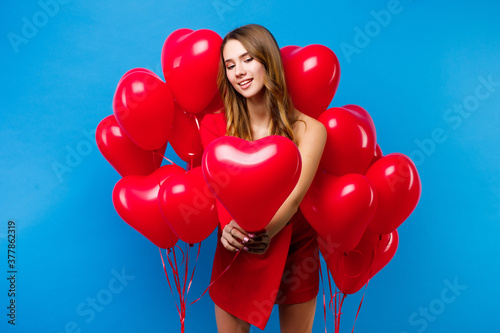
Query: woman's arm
311,143
311,139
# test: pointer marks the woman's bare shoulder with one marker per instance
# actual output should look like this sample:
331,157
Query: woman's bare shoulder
306,126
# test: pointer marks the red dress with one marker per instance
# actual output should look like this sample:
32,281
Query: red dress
286,274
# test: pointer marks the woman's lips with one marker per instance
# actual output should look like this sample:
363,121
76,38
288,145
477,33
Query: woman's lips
245,84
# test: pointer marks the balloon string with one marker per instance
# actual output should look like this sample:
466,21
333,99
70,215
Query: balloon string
171,234
331,293
324,298
359,307
186,274
194,268
337,325
211,283
366,285
168,280
158,152
175,271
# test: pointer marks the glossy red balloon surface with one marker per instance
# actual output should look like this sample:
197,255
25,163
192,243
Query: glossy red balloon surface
350,270
136,201
190,61
385,250
377,154
252,179
397,184
122,153
189,206
339,208
362,114
185,136
144,108
350,143
312,76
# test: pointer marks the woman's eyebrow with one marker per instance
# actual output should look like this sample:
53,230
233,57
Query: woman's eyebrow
241,56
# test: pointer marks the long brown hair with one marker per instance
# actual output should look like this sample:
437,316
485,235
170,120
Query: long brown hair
261,45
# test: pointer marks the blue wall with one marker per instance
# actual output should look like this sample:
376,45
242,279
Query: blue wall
422,68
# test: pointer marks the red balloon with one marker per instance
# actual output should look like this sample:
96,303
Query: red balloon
378,154
252,179
189,206
312,76
350,270
215,104
185,136
361,113
190,61
136,201
397,184
350,143
122,153
144,108
385,251
339,208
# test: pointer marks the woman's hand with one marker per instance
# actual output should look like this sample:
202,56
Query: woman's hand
235,239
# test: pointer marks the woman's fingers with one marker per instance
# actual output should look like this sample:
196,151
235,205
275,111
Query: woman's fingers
228,245
230,238
235,239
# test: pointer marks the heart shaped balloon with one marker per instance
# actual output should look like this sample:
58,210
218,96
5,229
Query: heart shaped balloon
361,114
136,201
385,250
189,206
252,179
122,153
312,76
397,184
350,143
339,208
144,108
190,61
350,270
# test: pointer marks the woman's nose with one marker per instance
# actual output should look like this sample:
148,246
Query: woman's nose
240,70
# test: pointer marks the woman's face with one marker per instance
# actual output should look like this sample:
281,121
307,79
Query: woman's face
245,73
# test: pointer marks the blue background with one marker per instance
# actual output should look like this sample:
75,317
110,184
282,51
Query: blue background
59,84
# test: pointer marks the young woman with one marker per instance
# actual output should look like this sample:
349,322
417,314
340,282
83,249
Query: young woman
280,265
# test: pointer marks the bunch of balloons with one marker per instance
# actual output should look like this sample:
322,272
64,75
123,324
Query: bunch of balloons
165,203
358,198
356,202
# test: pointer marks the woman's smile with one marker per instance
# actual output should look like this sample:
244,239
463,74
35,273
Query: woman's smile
245,73
245,83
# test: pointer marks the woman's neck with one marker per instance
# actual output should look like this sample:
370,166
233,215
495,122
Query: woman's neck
260,117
